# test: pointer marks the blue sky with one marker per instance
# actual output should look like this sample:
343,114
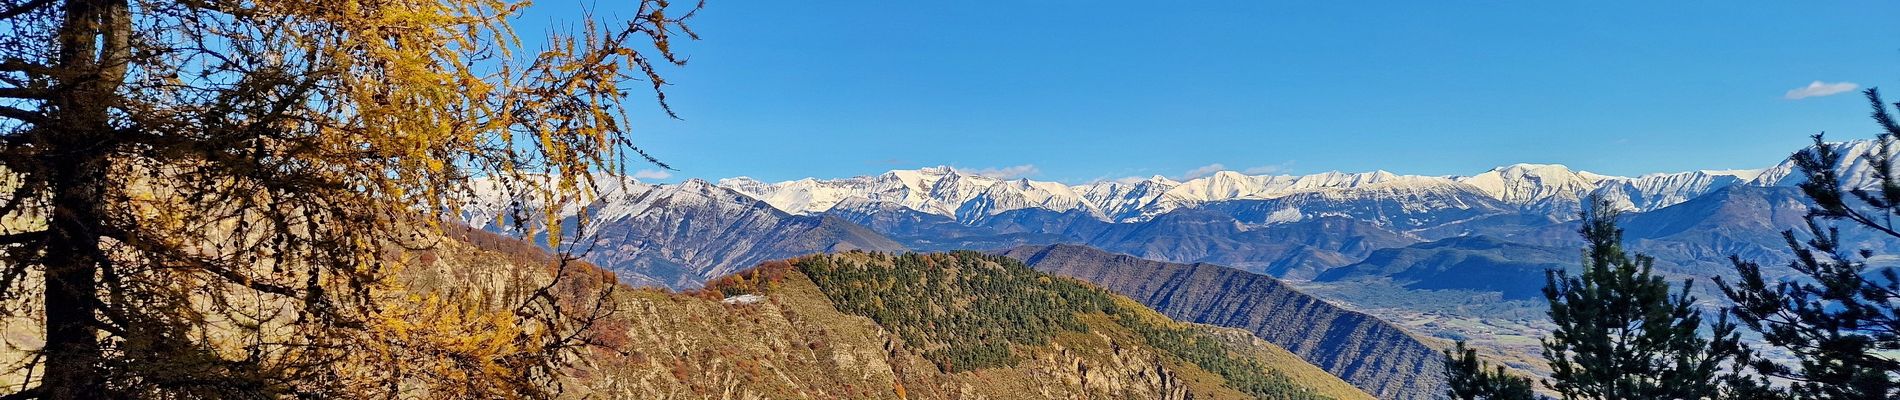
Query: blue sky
1081,90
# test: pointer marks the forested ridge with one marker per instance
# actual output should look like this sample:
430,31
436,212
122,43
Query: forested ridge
973,311
1378,357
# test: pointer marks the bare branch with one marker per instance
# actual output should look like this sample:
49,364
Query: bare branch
18,65
25,93
24,8
22,115
194,262
22,237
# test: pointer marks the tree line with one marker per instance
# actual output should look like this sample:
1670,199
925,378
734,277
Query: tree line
1623,332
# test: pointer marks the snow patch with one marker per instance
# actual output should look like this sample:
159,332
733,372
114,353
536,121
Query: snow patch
1285,215
743,299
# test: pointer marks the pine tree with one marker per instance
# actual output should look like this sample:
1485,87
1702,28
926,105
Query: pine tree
1620,333
1471,378
1838,317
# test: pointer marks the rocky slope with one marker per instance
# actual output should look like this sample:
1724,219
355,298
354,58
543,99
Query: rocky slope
1371,354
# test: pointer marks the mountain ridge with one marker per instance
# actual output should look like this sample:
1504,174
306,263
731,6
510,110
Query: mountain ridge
944,190
1378,357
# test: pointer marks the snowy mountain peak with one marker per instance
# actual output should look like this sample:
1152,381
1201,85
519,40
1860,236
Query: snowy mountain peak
937,170
1546,186
1544,168
1853,166
695,184
1744,174
741,181
1228,174
1553,189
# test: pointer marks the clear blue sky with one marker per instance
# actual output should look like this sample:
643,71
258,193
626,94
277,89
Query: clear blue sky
1095,89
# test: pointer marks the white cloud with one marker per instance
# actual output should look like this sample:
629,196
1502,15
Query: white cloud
1203,170
652,174
1009,172
1819,89
1274,169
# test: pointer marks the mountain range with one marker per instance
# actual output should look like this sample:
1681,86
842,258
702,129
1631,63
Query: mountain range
1426,257
970,198
810,328
679,235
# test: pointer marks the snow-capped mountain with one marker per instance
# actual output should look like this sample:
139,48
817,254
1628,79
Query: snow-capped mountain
968,197
680,233
1124,200
1397,201
672,235
499,201
1852,167
1020,194
1655,191
937,190
1230,185
1548,189
1401,203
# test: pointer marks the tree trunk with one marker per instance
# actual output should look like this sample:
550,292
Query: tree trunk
72,264
90,66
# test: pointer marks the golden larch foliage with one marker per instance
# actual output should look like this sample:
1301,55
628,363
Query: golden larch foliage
177,171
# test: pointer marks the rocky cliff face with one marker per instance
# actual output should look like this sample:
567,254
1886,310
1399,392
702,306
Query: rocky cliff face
1371,354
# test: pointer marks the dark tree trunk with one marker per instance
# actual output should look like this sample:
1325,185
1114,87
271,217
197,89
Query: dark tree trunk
90,65
72,265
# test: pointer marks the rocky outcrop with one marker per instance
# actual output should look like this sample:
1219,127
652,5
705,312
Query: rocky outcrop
1369,353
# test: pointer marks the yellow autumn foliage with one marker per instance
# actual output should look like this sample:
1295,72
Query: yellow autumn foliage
217,198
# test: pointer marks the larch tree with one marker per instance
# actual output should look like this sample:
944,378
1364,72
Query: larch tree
173,163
